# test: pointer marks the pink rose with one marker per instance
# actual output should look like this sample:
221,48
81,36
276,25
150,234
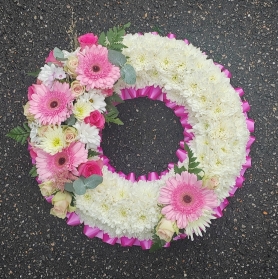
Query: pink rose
51,58
88,39
90,167
95,119
108,92
32,152
31,91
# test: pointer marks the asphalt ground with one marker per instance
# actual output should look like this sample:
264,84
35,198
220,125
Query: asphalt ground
242,36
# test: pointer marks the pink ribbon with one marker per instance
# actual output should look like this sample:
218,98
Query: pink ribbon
181,154
239,91
250,125
153,176
171,36
146,244
186,41
180,112
143,91
73,219
163,173
125,241
245,106
49,198
109,240
227,73
125,94
132,93
221,67
121,174
170,104
155,93
218,210
171,165
131,177
91,232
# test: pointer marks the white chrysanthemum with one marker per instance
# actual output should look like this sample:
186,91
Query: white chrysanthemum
49,73
53,140
95,99
88,134
69,54
34,138
82,109
196,227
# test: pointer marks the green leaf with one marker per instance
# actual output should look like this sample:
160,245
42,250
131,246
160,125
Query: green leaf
116,58
118,46
33,172
157,243
69,187
102,39
114,98
79,187
178,170
128,74
20,134
34,74
93,181
193,165
116,121
71,120
92,153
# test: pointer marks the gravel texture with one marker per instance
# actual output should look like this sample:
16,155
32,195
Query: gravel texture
242,35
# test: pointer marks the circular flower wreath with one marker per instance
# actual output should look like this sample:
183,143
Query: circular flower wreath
76,94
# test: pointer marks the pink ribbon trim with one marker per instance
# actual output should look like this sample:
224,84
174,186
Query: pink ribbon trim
239,91
142,177
171,36
181,154
91,232
73,219
153,176
250,125
49,198
131,177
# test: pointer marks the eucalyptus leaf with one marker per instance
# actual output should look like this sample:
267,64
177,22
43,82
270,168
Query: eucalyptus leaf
79,187
128,74
93,181
116,58
58,54
69,187
71,120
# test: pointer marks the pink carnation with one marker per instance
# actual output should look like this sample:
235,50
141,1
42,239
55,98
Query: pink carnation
95,119
185,200
91,167
88,39
50,166
51,59
94,69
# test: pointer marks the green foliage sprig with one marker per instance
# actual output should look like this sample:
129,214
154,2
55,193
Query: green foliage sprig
192,164
20,134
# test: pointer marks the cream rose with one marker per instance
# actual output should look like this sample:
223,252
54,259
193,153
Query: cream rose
211,183
47,188
61,202
71,65
165,229
70,134
77,89
26,112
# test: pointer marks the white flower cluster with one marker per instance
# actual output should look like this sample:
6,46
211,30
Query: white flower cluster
122,208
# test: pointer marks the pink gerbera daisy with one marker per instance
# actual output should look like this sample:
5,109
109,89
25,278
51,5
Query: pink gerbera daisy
94,69
51,106
185,199
50,166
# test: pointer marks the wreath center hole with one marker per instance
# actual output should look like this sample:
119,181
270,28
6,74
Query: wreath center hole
147,141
